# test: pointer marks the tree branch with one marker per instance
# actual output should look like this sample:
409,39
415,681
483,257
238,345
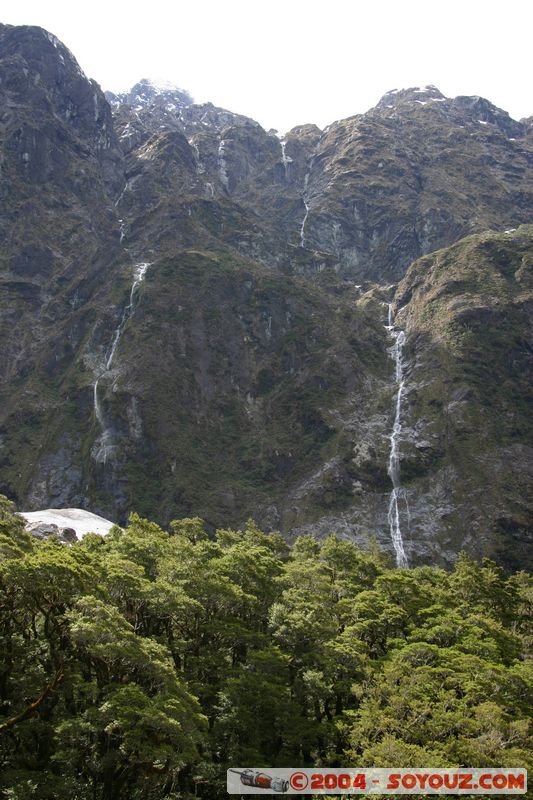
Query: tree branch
31,710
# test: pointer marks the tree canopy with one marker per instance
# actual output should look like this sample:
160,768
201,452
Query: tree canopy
144,664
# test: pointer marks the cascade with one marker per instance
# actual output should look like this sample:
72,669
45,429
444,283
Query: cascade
302,228
138,277
304,195
222,165
286,160
394,454
200,169
98,412
336,237
105,445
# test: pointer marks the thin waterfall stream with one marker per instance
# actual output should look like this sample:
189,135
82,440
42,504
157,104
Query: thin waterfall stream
305,196
304,199
302,227
393,469
223,165
104,446
285,159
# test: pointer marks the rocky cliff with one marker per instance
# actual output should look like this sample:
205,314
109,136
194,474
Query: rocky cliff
195,310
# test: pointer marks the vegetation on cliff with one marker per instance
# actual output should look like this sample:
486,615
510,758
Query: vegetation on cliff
467,313
254,377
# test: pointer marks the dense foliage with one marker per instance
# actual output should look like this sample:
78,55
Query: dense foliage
144,664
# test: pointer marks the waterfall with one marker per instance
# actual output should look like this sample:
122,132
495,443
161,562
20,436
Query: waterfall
336,237
138,277
285,159
304,195
222,165
200,169
394,455
99,414
302,227
105,442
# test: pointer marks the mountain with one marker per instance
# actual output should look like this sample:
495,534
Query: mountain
196,311
468,421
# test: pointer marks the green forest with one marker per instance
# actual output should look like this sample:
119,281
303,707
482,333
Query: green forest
144,664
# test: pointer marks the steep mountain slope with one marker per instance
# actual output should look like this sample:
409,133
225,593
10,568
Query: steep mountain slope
414,174
195,310
466,444
375,191
61,260
467,451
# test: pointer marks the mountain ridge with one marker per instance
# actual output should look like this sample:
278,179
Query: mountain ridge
269,263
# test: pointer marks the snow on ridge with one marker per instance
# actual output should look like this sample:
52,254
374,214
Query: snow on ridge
426,94
53,39
161,86
149,91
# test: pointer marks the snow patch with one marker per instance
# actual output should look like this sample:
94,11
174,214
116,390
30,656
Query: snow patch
160,86
53,39
81,521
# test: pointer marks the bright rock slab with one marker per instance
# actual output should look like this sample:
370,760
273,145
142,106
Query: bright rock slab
82,522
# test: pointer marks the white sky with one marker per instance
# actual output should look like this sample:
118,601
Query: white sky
286,63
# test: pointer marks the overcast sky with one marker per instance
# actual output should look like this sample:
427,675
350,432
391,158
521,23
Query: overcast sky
286,63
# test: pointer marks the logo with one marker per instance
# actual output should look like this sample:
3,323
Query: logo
328,780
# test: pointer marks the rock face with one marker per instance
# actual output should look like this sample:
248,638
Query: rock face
248,371
60,257
467,453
